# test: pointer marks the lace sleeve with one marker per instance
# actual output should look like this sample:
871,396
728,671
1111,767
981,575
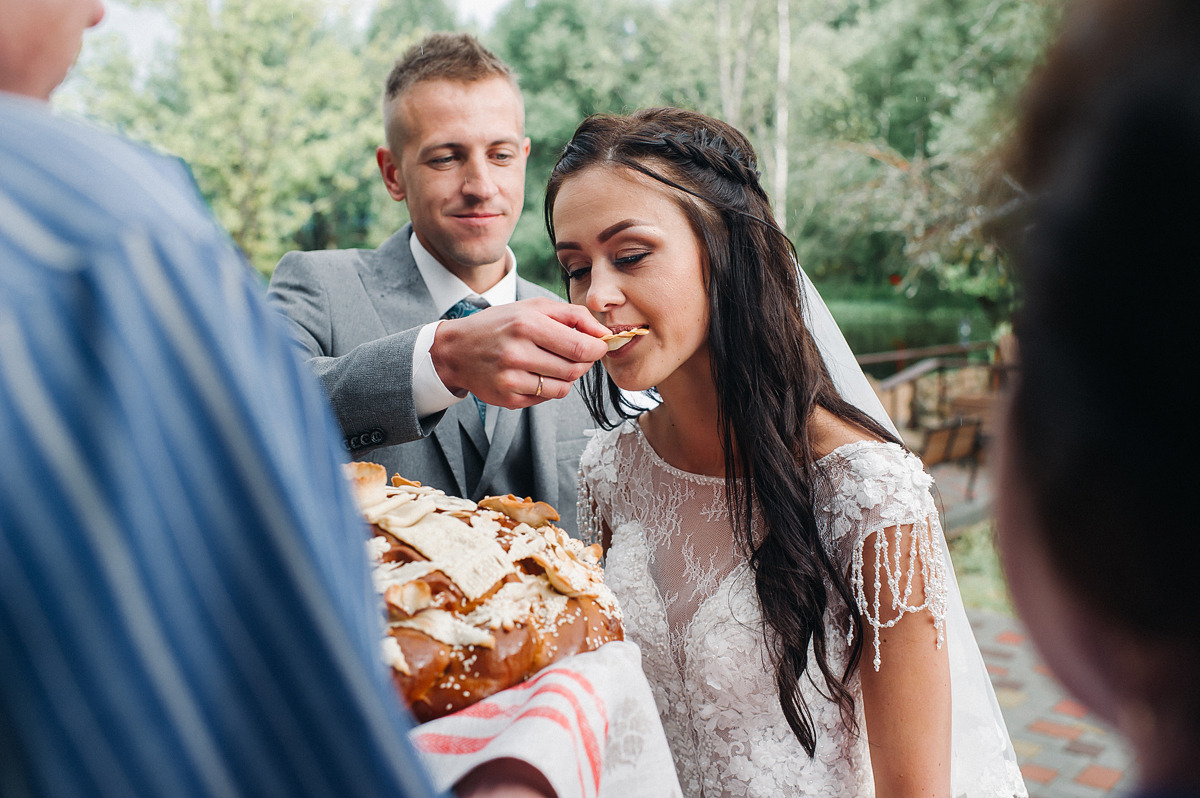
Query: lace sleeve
881,513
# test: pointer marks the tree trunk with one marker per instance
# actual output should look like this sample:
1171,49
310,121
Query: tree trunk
733,57
782,74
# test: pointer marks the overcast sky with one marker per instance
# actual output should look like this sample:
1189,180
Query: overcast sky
143,27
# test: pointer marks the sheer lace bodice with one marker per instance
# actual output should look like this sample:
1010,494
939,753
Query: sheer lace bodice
689,602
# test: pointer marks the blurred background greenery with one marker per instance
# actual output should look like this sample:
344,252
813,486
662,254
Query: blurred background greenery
877,122
980,579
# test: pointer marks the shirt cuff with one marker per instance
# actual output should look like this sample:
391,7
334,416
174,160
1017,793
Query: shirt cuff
430,395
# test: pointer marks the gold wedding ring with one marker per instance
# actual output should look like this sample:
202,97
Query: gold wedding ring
539,390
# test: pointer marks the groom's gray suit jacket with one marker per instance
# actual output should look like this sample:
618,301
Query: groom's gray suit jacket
356,314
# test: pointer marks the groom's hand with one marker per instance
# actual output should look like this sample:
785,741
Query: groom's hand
499,353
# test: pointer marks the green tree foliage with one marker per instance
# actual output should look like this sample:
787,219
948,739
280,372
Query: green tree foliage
893,110
896,167
576,59
275,106
395,24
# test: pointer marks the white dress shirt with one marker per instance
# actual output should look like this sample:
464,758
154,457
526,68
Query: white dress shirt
430,394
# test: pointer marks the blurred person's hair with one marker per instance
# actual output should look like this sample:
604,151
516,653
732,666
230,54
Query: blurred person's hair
1102,423
457,57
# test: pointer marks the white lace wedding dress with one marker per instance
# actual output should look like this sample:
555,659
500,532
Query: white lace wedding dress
689,602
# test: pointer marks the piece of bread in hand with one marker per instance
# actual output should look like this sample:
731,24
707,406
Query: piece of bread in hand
619,339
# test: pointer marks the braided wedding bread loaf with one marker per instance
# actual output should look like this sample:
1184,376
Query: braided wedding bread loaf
479,596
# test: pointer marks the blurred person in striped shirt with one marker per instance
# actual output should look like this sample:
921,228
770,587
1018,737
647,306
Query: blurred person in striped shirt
185,607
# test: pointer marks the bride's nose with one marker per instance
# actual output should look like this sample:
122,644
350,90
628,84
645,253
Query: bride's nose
604,289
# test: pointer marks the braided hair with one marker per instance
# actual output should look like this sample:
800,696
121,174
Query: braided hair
769,375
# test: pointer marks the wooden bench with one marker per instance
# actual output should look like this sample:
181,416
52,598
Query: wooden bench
959,441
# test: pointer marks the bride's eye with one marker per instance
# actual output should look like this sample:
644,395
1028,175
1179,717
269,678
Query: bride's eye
629,260
575,274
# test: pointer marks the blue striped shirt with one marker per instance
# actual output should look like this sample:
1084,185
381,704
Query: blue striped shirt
185,607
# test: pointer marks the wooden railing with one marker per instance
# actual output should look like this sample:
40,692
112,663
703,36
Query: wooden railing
936,360
904,355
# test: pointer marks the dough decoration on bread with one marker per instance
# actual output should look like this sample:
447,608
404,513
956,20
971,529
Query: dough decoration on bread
524,511
619,339
479,596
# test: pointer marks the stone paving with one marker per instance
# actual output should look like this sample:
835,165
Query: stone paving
1064,751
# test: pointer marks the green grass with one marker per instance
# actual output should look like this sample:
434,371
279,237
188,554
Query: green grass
978,569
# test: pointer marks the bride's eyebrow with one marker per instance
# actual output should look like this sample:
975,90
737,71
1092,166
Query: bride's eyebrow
604,235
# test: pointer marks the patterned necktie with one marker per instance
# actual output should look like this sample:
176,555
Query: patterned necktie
465,307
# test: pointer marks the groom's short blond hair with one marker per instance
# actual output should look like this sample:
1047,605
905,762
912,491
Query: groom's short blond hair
439,56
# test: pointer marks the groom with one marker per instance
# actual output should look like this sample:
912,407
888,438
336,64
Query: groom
400,335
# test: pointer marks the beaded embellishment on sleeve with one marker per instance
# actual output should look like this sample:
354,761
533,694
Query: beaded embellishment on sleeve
878,500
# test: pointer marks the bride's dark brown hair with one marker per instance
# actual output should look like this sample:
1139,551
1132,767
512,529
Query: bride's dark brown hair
769,374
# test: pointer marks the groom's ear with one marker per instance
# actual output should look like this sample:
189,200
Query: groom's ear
389,169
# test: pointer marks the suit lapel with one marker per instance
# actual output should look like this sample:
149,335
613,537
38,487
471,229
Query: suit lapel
507,423
401,299
448,437
394,285
543,431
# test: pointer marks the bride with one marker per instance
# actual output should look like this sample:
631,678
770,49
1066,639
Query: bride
776,550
